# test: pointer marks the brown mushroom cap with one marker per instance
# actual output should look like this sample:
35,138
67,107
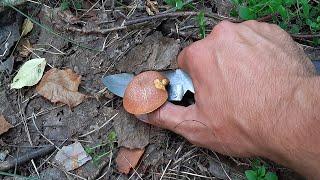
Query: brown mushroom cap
145,93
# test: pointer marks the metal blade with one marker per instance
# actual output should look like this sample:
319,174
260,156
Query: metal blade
180,83
117,83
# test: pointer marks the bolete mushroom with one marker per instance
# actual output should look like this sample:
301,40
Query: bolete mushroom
145,93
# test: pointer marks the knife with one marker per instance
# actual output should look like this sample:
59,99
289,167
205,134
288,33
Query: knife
180,82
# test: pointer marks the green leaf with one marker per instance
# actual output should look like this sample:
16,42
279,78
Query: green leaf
89,150
179,4
78,4
261,171
305,8
64,5
167,2
251,175
112,136
256,163
283,13
289,2
295,29
202,24
236,2
271,176
246,14
29,74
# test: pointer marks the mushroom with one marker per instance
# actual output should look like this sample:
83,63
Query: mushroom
145,93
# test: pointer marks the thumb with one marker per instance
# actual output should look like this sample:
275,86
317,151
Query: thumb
169,116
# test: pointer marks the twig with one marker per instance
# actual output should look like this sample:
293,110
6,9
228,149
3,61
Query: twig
222,165
17,176
165,169
35,125
134,170
94,31
50,30
6,165
192,174
66,172
305,36
35,167
90,132
267,17
23,118
136,21
48,158
160,16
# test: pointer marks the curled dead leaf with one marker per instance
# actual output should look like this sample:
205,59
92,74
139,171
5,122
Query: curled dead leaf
24,48
4,125
61,86
152,7
127,159
27,27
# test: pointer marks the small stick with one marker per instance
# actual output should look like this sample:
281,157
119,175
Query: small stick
132,22
305,36
6,165
90,132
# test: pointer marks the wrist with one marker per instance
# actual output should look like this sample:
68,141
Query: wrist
295,141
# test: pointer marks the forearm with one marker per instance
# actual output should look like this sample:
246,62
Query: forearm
298,142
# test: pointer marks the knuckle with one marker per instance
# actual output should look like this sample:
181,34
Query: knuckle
189,52
220,27
251,23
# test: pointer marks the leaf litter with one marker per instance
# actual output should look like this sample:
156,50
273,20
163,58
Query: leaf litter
72,156
27,27
4,125
24,48
61,86
131,132
128,158
146,56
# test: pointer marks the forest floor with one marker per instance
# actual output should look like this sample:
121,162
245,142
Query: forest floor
97,39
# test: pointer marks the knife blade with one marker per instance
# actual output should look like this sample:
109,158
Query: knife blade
180,82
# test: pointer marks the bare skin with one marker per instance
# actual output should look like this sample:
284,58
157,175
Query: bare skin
256,94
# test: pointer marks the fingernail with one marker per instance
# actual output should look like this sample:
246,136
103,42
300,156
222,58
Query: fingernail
143,117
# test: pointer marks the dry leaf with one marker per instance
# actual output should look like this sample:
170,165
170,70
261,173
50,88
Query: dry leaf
27,27
128,158
61,86
24,48
152,7
72,156
4,125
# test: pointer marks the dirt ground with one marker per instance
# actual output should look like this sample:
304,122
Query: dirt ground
77,41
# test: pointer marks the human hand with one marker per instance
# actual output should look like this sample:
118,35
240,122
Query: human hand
246,78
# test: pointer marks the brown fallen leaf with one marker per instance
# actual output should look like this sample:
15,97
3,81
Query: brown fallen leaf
127,159
24,48
152,7
61,86
4,125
